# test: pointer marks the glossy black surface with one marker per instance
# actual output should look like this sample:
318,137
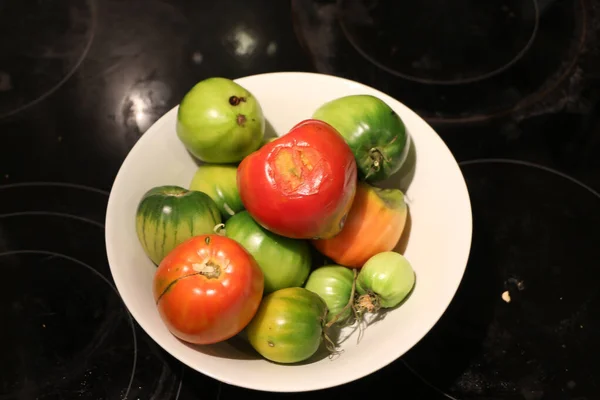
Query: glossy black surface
454,46
452,65
81,81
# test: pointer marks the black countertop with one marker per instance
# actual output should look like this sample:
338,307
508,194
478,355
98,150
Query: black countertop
512,87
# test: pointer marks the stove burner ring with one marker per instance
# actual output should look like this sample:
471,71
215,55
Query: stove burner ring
517,57
82,264
72,259
530,165
504,161
5,78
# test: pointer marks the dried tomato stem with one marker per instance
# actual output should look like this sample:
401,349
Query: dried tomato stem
368,302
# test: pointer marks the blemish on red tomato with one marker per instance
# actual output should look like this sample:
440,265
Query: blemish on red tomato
297,169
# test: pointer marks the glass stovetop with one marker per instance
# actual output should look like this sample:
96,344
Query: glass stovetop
513,88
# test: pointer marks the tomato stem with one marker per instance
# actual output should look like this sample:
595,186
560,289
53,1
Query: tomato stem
219,229
347,306
368,302
377,159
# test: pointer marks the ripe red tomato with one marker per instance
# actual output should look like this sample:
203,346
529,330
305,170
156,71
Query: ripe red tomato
302,184
207,289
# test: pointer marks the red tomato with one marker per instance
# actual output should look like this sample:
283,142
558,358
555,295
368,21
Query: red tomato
302,184
207,289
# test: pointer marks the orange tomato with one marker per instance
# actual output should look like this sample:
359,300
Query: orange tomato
374,224
208,289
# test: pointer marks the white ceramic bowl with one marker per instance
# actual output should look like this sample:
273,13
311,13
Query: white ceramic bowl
438,243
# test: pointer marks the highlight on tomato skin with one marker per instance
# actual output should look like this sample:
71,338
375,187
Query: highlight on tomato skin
207,289
375,224
301,185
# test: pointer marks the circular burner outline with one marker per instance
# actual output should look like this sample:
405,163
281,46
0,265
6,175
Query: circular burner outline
55,214
506,161
69,74
527,101
72,259
85,265
474,79
531,165
56,184
99,225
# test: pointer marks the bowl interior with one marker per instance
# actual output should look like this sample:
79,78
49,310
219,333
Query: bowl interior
437,245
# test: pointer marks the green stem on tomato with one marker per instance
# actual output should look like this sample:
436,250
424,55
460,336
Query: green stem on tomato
331,346
347,306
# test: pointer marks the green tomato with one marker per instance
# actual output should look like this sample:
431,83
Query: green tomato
169,215
334,284
288,326
285,262
384,281
373,130
220,183
220,122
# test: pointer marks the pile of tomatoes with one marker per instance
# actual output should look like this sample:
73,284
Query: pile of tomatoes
278,240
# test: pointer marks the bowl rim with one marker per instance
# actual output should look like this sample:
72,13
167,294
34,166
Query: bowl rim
381,363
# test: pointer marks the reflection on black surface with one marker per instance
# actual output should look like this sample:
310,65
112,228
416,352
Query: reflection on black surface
145,54
441,41
450,64
534,237
42,43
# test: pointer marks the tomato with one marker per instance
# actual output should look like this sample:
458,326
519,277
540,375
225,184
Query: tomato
375,224
375,132
219,121
288,326
169,215
302,184
207,289
285,262
219,182
384,281
334,284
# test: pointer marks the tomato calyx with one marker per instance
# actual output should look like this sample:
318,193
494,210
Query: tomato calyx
377,158
208,268
368,302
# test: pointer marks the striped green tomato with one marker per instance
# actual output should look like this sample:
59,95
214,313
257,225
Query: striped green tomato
288,326
285,262
169,215
373,130
219,182
334,284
